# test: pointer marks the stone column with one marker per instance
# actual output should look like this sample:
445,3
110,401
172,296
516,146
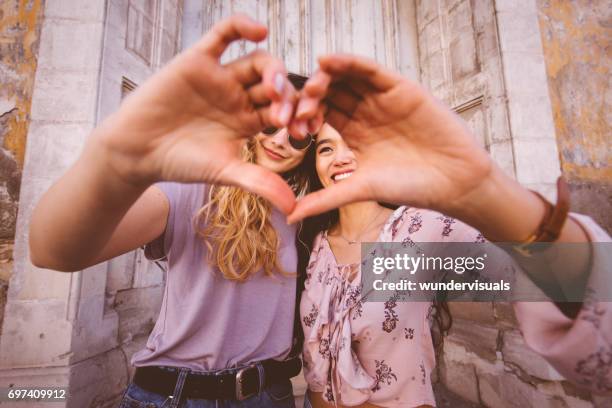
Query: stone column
54,322
532,128
76,330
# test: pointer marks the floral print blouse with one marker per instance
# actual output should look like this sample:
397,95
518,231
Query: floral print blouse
382,352
376,352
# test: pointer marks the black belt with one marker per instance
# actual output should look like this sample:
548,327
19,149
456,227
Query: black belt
238,384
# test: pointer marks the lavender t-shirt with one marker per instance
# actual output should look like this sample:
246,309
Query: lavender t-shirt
207,322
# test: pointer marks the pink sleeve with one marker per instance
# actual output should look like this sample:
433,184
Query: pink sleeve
580,349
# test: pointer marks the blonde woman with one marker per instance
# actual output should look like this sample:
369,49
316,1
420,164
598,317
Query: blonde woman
224,333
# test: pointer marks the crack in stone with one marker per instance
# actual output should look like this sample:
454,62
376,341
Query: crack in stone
8,112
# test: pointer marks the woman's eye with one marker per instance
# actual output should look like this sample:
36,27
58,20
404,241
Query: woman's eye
325,149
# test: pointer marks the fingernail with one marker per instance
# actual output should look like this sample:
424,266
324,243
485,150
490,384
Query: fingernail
302,127
279,83
285,114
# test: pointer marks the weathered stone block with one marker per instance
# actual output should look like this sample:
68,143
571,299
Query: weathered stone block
524,74
93,280
530,166
519,33
54,147
593,198
504,314
426,11
503,155
460,379
98,381
601,401
120,273
138,343
460,17
63,97
46,342
34,377
475,119
170,18
140,33
70,45
499,129
519,357
79,10
436,70
430,40
167,49
524,7
504,389
37,284
531,117
138,310
6,259
463,56
481,312
146,272
476,338
95,331
146,7
448,399
488,45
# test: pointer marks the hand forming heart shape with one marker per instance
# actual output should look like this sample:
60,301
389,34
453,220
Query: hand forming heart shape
188,122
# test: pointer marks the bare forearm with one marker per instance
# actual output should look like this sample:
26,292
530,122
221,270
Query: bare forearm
504,211
76,217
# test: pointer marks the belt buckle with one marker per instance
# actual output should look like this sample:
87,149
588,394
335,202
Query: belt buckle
239,382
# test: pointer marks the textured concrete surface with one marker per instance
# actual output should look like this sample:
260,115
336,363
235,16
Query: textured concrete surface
576,36
20,24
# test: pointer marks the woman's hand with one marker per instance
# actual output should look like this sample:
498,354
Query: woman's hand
188,122
410,148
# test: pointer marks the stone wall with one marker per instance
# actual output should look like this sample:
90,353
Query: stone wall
485,59
576,36
20,24
79,330
485,363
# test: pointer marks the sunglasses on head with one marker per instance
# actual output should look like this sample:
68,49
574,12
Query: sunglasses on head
295,143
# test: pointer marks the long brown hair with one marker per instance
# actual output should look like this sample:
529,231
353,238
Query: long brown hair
235,225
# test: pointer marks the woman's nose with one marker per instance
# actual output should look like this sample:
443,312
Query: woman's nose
279,138
344,156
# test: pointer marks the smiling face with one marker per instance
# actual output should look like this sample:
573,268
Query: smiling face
275,153
335,161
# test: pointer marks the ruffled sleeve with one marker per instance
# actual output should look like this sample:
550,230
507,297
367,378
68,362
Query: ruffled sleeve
580,349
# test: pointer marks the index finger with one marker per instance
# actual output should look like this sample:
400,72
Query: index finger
222,34
260,69
348,191
365,69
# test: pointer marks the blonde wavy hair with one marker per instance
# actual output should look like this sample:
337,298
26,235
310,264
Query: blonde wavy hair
235,225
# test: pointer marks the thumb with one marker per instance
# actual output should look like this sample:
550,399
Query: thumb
262,182
348,191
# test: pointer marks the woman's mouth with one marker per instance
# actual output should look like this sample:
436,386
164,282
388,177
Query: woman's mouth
341,176
272,154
